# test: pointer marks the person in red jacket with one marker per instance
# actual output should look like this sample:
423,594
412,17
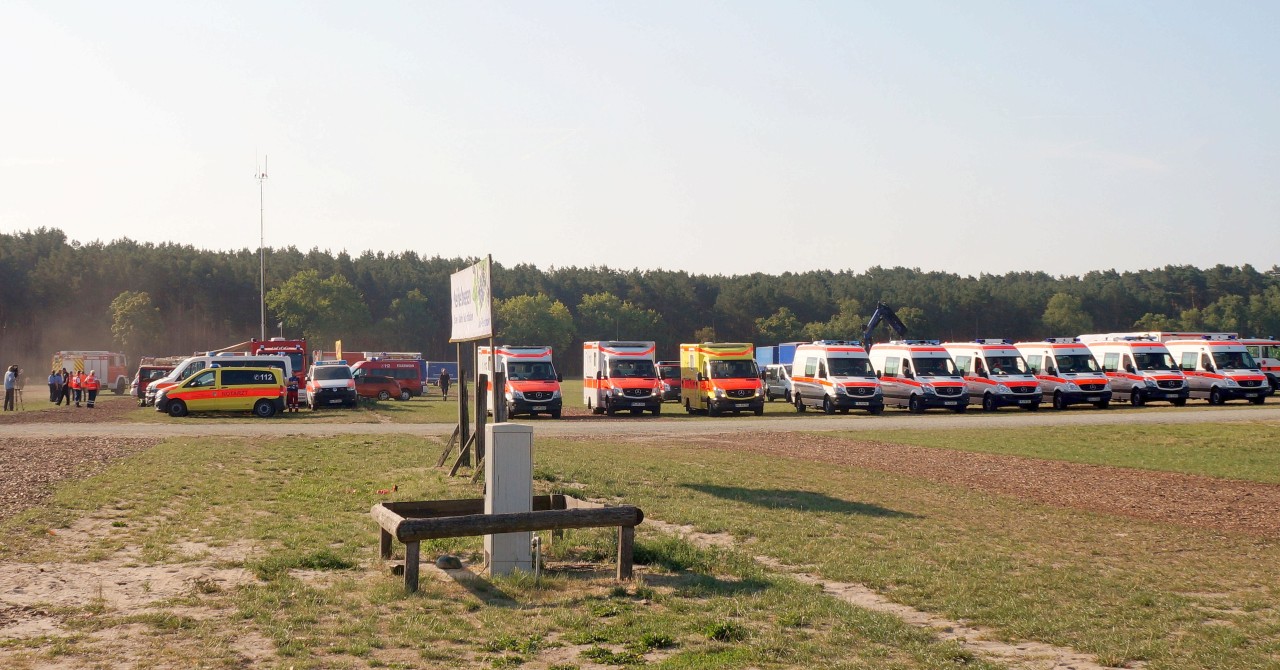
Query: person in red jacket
91,386
75,387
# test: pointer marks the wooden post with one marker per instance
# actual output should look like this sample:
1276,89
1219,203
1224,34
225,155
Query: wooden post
463,450
444,455
482,400
464,421
626,547
411,567
499,397
384,544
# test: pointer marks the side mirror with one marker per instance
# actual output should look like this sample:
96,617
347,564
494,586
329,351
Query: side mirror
702,377
1129,369
599,375
879,373
906,374
980,374
559,377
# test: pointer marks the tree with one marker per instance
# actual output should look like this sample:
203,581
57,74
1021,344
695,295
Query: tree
135,323
781,326
1150,321
604,316
323,309
845,324
704,334
1065,316
534,320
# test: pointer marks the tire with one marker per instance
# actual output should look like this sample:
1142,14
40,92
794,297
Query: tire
1258,401
120,388
799,403
1032,407
1215,397
915,405
177,408
961,410
1102,404
988,403
264,409
760,411
787,396
405,395
827,407
1136,398
876,411
657,410
555,414
768,397
636,412
383,395
1059,402
688,409
712,410
1180,402
608,409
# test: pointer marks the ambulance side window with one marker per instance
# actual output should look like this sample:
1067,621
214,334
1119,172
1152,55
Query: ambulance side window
810,367
1205,363
1111,362
1033,362
205,379
962,364
1128,364
822,369
890,367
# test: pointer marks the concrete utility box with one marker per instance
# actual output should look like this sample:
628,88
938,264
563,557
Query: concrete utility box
508,477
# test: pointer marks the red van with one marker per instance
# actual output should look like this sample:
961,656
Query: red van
407,373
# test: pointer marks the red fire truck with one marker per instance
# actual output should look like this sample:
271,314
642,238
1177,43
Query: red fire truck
112,368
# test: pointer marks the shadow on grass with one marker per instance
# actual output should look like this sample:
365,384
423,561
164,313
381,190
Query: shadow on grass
694,585
797,500
483,589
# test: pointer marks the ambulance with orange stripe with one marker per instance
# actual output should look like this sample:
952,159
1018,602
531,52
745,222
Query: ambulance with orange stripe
1220,368
719,377
620,376
834,375
532,383
1266,351
1067,371
1139,369
226,389
995,373
919,374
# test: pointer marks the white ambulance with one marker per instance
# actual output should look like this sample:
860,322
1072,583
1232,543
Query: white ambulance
1266,351
995,372
532,386
1219,368
1139,369
834,375
620,376
1067,372
918,374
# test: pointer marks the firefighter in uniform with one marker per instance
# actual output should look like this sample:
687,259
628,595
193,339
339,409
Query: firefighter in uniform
91,386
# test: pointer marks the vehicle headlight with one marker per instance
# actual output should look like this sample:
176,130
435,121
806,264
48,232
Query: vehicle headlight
1001,388
615,392
555,394
666,386
1231,382
1071,386
927,388
514,395
719,393
1151,383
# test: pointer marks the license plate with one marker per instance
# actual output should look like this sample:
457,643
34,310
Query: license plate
1251,395
1024,401
741,405
861,404
336,401
637,404
538,408
952,402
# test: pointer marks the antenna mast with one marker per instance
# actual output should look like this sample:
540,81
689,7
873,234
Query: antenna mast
261,176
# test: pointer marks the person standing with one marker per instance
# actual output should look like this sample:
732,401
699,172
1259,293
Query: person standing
10,384
75,387
54,381
64,387
91,386
444,383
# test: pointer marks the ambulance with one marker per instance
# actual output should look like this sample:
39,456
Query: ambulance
620,376
919,374
719,377
532,384
1266,351
1219,368
1067,372
834,375
1139,369
995,372
111,368
193,364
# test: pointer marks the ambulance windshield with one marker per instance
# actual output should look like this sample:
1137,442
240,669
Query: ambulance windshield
1007,365
1160,361
1234,360
851,367
632,369
1076,363
540,371
929,366
734,370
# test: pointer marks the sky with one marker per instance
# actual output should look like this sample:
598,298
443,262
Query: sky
712,137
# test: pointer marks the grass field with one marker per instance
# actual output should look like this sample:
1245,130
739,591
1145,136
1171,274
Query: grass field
294,514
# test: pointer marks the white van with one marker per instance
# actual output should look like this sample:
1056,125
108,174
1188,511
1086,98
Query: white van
1266,351
1067,372
777,382
834,375
1139,369
1219,368
995,372
918,374
194,364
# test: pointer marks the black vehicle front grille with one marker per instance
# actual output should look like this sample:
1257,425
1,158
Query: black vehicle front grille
1171,384
861,390
1093,387
740,393
538,395
1024,389
948,390
637,393
1251,383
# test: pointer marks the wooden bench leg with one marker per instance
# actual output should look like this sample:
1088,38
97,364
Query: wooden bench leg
384,545
411,567
626,546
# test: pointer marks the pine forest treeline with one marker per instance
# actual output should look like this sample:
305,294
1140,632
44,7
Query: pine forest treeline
166,299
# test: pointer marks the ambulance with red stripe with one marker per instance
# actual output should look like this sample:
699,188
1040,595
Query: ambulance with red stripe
1139,369
918,374
532,383
620,376
719,377
1266,351
1219,368
1067,371
834,375
996,373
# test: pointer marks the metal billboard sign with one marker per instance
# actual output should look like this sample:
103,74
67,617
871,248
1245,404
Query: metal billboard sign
471,298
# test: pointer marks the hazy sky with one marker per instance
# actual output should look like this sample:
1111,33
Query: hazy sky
714,137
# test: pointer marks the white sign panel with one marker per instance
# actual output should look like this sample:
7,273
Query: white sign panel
472,302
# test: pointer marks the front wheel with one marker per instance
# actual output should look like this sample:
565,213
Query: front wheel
177,408
799,403
688,409
874,411
988,403
787,396
760,411
383,395
827,407
1215,396
1258,401
405,395
1136,398
1102,404
555,414
264,409
657,410
1059,401
1180,402
120,388
915,405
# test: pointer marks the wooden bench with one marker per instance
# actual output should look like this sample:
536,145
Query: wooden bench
411,522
